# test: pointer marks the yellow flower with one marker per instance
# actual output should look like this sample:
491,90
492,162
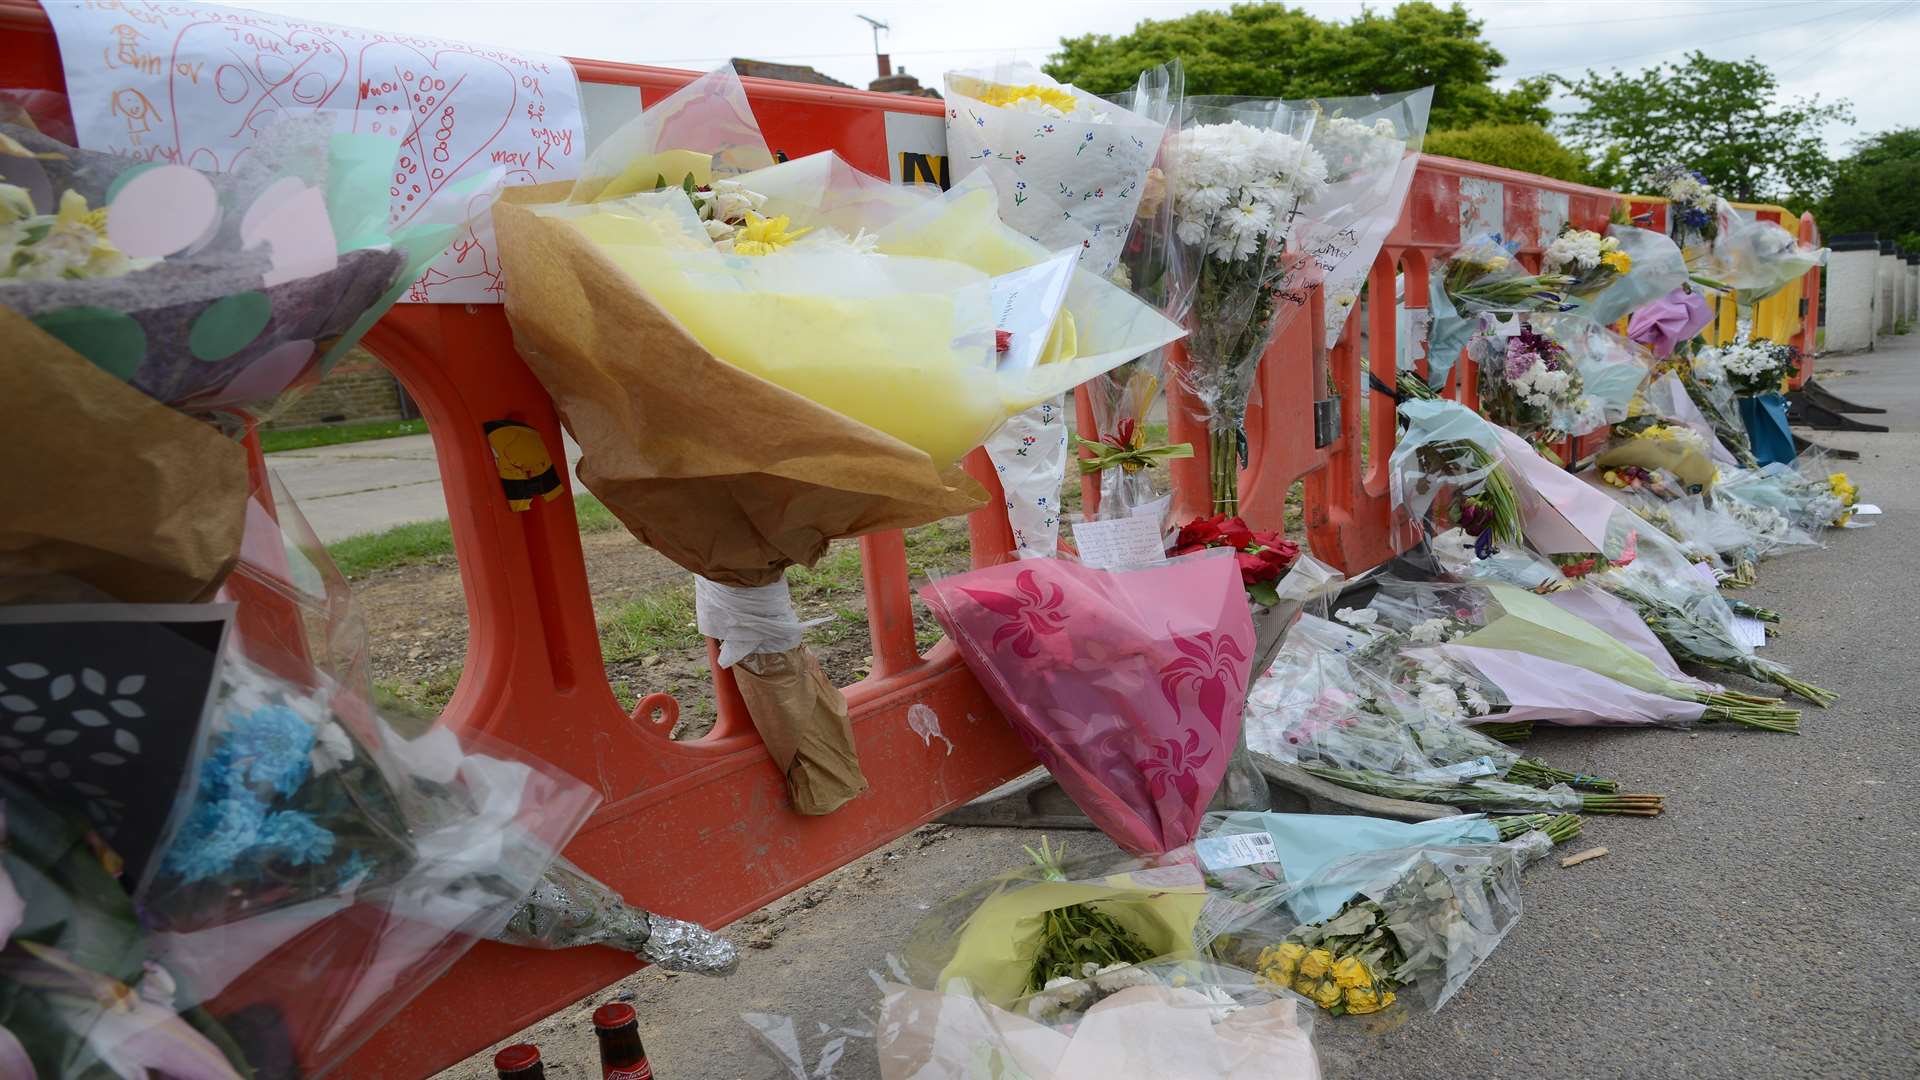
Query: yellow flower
764,236
1316,963
1278,963
1349,972
1498,262
1618,260
1326,995
73,211
1002,95
1361,1002
15,204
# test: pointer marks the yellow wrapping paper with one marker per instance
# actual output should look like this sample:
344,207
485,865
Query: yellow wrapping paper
994,950
1693,468
722,471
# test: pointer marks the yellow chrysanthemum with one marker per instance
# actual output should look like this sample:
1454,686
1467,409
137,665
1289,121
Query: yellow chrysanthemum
1620,261
1002,95
15,204
1316,963
73,211
764,236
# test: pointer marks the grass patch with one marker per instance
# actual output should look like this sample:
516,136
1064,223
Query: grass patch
429,541
303,438
657,622
413,706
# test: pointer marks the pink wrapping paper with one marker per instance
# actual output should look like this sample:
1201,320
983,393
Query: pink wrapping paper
1126,684
1560,513
1670,320
1550,692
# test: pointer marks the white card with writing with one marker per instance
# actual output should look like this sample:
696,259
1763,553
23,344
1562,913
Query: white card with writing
1242,849
194,84
1127,541
1751,632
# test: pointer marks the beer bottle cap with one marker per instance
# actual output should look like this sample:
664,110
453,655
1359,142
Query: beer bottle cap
614,1015
516,1057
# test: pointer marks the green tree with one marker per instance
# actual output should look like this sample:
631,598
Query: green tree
1876,189
1527,147
1271,50
1724,118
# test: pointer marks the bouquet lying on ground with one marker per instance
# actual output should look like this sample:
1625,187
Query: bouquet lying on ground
798,352
1071,172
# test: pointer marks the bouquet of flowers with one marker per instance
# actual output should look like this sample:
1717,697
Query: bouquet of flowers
1071,172
1848,495
1446,472
1691,215
1127,684
1654,267
208,289
1751,366
1529,385
1481,279
1238,179
1420,917
1592,263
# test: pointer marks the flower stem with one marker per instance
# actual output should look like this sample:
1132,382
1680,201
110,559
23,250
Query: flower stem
1225,451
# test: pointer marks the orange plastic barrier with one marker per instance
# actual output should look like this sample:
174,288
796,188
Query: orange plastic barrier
700,829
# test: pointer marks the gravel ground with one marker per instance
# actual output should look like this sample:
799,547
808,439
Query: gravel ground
1767,926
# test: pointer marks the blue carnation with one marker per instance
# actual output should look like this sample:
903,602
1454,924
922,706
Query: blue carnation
216,836
272,744
294,836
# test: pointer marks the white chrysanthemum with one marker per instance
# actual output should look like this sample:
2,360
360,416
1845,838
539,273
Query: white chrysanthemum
1439,699
1429,631
1576,249
1476,702
1228,177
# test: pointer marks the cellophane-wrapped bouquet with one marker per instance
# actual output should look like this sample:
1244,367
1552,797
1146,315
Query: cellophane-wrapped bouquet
1239,179
1691,216
1591,262
1651,267
1071,171
1128,684
1482,278
1549,376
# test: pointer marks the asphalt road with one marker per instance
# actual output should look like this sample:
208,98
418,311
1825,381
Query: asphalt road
1767,926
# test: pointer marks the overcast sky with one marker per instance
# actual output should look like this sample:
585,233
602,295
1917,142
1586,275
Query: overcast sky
1860,50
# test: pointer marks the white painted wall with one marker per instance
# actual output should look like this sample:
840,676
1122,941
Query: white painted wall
1852,292
1889,306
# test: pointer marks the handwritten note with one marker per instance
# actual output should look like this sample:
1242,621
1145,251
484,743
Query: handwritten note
195,84
1751,632
1128,541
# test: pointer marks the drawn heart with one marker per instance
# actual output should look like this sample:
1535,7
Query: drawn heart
262,73
437,141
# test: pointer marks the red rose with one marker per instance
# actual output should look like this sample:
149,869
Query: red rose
1236,534
1202,532
1255,569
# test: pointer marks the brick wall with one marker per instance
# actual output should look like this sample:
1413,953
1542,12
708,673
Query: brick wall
358,388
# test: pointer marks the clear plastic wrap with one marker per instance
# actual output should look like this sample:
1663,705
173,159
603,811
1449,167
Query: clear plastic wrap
1592,262
1418,920
1127,684
1328,700
1548,376
1371,146
1192,1020
213,290
1481,278
1241,173
569,909
1655,269
1754,258
1071,172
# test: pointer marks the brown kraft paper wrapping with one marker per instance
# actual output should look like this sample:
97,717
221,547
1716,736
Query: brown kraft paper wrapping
727,474
803,720
110,490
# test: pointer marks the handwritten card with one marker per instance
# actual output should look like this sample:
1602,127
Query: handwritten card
195,84
1751,632
1128,541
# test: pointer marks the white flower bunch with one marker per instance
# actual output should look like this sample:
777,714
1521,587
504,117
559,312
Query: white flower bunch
1364,618
1235,187
1540,386
1429,631
723,208
1448,692
1350,146
1752,366
1577,250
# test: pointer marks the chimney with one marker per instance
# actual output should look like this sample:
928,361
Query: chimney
886,64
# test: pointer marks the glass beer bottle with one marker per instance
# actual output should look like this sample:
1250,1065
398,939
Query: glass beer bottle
521,1061
621,1055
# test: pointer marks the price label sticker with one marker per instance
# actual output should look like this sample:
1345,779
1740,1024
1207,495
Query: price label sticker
1243,849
